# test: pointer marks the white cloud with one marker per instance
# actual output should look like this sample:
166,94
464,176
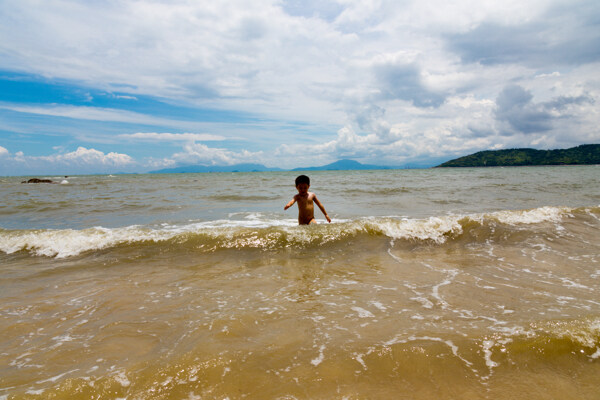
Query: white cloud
80,161
154,163
172,137
463,124
90,157
390,145
3,152
87,113
198,153
395,79
116,96
19,156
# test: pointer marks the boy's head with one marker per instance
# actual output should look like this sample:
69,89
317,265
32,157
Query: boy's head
302,184
302,179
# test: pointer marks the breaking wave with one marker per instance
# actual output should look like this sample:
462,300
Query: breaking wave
270,234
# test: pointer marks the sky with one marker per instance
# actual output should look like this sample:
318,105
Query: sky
108,86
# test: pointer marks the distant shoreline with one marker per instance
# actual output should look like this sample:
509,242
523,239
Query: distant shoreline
587,154
518,166
340,165
20,177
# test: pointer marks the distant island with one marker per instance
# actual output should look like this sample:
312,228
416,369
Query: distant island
342,165
580,155
339,165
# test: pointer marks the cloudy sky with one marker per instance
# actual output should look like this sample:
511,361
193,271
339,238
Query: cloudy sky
131,86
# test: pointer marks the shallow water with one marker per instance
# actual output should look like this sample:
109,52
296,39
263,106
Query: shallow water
470,283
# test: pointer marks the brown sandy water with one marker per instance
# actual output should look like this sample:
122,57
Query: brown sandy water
471,305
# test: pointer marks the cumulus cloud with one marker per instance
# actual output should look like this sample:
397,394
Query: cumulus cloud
19,156
558,34
350,144
154,163
3,152
561,103
463,124
381,80
404,82
81,161
198,153
90,157
517,111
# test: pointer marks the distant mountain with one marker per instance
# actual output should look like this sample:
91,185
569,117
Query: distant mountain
341,165
584,154
216,168
335,166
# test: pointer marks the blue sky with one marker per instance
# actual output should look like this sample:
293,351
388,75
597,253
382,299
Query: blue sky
133,86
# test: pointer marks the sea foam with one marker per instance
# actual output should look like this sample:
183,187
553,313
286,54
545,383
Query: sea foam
265,233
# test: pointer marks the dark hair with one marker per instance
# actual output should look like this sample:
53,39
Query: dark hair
302,179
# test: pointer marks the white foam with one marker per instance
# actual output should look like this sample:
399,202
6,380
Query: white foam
487,353
587,333
319,359
121,378
439,228
534,216
433,228
435,292
378,305
424,301
359,358
57,377
449,343
62,243
362,313
69,242
569,283
63,338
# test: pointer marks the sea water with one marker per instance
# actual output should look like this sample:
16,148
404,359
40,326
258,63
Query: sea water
436,283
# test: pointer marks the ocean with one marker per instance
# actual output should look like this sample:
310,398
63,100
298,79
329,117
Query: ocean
428,284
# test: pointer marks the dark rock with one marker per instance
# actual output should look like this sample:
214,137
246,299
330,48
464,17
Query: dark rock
36,180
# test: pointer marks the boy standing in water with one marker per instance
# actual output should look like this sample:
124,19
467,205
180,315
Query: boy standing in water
305,199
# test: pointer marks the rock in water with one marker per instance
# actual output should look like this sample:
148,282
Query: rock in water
36,180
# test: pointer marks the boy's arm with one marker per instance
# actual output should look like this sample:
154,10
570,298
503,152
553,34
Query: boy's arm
291,203
322,208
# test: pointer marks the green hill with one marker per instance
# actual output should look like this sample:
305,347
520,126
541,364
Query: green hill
584,154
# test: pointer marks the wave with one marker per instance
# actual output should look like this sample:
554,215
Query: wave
582,333
273,234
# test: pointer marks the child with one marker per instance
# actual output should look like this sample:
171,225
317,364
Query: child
306,208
